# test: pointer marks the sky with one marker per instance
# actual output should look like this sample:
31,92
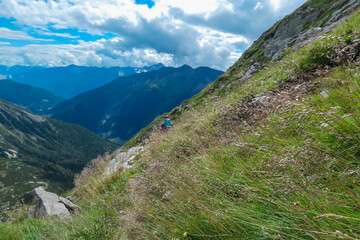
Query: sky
136,33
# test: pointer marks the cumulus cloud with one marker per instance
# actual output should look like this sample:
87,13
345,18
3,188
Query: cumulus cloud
63,35
6,33
99,53
172,32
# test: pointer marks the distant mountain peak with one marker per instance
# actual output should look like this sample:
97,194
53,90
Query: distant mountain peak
158,65
186,66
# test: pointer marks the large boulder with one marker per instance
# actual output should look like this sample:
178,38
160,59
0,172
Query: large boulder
50,204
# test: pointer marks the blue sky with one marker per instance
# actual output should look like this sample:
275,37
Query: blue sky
210,33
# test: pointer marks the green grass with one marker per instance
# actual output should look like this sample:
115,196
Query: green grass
234,169
271,181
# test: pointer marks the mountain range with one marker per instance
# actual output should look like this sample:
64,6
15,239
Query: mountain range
70,80
7,72
35,99
118,110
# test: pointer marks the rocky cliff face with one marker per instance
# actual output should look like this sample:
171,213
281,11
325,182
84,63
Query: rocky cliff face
308,22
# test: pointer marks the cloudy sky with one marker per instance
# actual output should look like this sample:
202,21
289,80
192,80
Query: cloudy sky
210,33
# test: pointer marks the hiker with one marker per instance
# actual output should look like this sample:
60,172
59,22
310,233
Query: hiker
167,123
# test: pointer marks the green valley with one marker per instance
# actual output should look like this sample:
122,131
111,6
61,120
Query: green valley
35,150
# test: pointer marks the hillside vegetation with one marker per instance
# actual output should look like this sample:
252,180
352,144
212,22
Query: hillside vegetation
269,155
38,151
35,99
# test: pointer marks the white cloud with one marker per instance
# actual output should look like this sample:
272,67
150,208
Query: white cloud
97,53
173,32
258,6
194,6
63,35
4,43
214,49
18,35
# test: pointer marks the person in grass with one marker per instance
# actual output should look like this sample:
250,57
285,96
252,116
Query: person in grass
167,123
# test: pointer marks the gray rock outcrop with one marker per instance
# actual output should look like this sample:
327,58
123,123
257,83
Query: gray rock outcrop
293,31
296,30
50,204
122,159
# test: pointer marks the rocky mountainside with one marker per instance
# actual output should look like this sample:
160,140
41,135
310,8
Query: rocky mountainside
121,108
35,150
35,99
270,150
72,80
304,25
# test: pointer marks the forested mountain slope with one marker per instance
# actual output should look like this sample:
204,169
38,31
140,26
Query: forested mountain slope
118,110
35,150
35,99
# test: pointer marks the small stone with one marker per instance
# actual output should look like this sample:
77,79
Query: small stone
68,204
167,196
324,94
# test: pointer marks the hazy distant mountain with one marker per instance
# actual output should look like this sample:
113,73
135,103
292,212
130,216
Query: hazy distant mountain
35,150
8,72
35,99
72,80
121,108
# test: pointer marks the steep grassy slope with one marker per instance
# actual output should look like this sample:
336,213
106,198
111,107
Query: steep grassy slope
118,110
35,99
39,151
273,156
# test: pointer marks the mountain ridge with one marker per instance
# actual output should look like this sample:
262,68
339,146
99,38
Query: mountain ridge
112,110
35,99
71,80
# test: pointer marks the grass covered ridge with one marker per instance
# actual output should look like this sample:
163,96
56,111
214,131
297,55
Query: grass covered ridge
274,157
